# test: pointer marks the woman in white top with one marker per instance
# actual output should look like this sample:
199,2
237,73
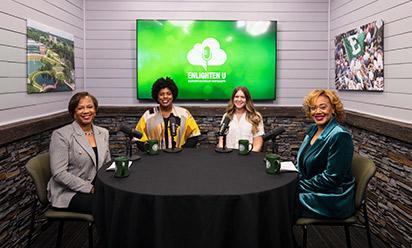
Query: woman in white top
246,122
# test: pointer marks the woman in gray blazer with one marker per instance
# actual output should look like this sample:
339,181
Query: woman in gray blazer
77,151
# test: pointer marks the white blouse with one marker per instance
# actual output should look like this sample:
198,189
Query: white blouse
241,129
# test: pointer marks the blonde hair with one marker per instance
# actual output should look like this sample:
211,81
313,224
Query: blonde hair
337,105
252,115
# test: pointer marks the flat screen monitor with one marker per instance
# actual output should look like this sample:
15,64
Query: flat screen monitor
207,58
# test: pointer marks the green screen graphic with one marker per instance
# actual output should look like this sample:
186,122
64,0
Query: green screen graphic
207,59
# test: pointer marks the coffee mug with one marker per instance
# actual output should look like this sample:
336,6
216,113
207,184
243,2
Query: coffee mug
152,147
122,166
272,163
245,147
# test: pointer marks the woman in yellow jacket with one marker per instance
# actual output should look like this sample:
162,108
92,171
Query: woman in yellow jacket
155,123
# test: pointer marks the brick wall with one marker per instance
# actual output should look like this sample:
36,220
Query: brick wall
390,190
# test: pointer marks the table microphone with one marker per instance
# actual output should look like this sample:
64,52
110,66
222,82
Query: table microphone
223,127
131,133
222,133
173,132
272,136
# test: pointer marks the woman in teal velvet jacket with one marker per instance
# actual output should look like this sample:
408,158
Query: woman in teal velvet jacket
326,185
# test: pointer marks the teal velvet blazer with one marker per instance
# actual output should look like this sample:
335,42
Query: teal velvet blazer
326,185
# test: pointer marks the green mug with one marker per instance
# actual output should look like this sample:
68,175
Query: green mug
152,147
122,166
245,147
272,163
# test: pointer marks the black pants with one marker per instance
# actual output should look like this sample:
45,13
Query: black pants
82,203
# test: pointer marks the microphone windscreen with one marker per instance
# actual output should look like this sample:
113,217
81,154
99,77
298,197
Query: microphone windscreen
137,134
131,132
224,126
172,125
273,133
124,129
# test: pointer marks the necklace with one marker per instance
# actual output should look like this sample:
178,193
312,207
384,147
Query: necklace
90,133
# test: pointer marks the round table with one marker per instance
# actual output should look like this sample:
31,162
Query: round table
196,198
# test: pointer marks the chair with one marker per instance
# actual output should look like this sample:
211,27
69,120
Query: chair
39,170
363,170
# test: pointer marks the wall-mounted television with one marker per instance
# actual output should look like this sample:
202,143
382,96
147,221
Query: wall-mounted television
207,58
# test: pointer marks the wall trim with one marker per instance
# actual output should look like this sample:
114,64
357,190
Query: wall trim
15,131
22,129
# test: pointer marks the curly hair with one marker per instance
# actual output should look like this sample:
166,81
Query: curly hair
251,114
162,83
74,101
336,103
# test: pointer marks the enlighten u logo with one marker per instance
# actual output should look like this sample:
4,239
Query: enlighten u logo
207,53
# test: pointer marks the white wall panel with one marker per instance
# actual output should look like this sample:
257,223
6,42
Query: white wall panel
222,15
56,11
386,10
384,111
14,54
11,115
111,32
302,55
92,53
398,41
12,23
65,15
275,1
12,69
10,85
14,39
19,99
164,6
396,100
30,10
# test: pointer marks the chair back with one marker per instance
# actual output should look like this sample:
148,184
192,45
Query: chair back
39,171
363,170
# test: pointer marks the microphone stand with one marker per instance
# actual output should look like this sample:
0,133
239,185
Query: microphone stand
223,149
274,145
129,149
174,149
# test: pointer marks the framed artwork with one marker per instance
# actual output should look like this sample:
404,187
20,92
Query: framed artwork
50,59
359,58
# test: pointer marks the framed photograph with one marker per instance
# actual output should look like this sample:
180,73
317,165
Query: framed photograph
359,58
50,59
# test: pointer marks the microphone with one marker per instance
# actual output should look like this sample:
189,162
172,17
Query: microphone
271,135
172,125
173,129
131,132
206,53
222,133
224,126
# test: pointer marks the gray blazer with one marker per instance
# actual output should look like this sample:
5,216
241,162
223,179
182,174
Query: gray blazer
73,162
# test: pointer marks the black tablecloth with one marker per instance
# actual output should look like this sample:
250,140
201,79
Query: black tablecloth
196,198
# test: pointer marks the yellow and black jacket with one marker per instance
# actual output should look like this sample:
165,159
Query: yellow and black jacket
152,125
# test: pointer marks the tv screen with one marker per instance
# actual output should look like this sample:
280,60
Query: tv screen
207,58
